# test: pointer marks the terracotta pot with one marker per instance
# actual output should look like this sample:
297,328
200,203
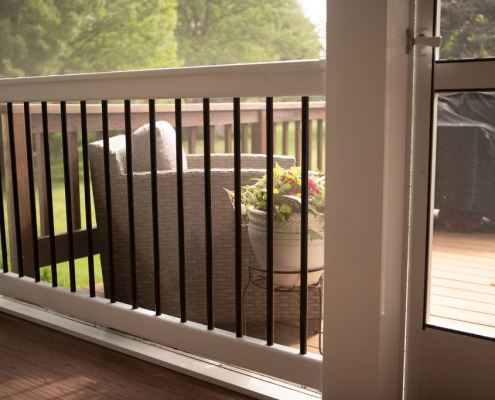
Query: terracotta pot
287,246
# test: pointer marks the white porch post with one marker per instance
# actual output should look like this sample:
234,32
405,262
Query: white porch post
366,169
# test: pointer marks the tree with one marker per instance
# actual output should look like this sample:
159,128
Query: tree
43,37
468,28
235,31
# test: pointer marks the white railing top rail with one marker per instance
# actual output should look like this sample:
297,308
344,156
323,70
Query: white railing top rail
287,78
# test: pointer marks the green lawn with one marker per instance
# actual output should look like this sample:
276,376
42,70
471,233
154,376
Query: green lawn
59,213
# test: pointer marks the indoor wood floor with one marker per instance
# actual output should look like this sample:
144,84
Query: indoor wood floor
40,363
463,281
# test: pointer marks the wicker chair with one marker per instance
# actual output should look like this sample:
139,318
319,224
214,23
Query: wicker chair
222,175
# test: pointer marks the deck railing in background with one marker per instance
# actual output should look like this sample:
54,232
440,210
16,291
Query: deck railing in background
28,120
253,140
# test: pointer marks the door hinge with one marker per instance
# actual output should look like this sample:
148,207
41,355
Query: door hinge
423,40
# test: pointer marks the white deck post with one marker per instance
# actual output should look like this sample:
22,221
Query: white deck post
367,125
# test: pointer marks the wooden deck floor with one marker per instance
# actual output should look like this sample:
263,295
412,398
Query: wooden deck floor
462,288
40,363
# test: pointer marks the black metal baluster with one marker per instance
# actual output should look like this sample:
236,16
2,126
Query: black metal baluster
3,232
87,199
108,194
32,196
238,217
270,323
154,206
130,201
49,195
208,223
304,224
15,190
68,195
180,210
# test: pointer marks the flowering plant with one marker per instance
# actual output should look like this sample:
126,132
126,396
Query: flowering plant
287,184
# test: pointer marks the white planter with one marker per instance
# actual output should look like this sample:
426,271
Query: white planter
287,246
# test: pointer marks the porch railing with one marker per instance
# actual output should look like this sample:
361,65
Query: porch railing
26,128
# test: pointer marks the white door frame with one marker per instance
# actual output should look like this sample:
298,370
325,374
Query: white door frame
439,364
366,218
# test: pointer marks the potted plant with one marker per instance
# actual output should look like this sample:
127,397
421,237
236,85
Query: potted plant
287,222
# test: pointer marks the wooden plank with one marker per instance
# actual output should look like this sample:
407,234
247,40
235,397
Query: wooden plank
462,285
466,258
285,138
141,117
298,142
463,294
43,202
457,246
228,138
245,138
74,179
457,241
212,139
310,144
457,249
40,363
462,304
221,114
23,192
319,139
465,269
191,141
62,246
462,315
462,277
275,138
258,134
462,282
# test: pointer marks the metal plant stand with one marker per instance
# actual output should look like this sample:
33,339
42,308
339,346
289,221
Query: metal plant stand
257,278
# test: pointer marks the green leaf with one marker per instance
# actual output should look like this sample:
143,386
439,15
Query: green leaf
279,216
313,235
285,209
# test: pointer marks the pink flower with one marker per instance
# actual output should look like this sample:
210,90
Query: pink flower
313,187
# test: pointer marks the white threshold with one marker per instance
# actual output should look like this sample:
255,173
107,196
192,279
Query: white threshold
223,375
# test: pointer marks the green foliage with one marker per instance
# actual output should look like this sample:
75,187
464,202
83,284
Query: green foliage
235,31
468,29
47,37
63,274
44,37
287,188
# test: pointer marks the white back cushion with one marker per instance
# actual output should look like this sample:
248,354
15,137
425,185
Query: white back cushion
165,148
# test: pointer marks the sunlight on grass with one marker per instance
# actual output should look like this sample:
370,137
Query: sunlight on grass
82,275
60,220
